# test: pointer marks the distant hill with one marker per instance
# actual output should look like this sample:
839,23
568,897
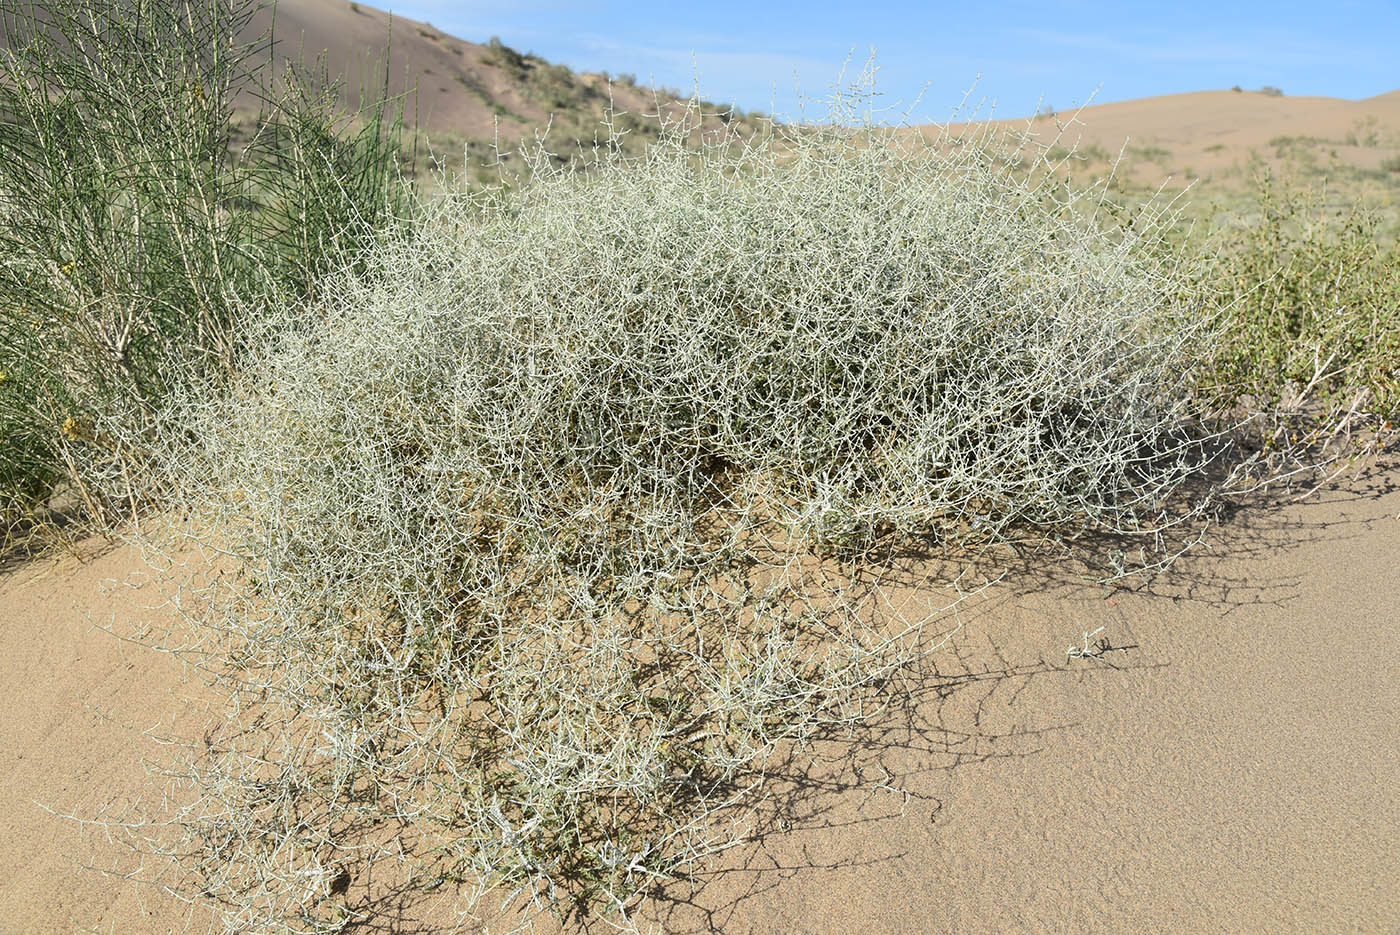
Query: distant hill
466,92
469,91
1211,138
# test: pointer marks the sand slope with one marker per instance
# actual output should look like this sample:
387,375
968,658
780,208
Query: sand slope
1208,131
450,83
1232,766
1237,118
76,700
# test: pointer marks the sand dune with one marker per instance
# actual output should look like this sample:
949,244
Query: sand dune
1204,135
1210,130
451,88
1235,118
1232,765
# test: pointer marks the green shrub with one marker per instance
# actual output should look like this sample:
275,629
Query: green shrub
138,228
504,57
1313,312
1364,132
1155,154
565,514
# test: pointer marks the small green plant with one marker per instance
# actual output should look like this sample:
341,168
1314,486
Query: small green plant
557,88
504,57
1094,153
1312,327
1364,132
1156,154
1269,90
473,84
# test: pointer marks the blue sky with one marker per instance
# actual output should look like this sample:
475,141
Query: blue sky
1059,51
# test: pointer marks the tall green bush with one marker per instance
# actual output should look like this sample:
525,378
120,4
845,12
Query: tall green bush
158,182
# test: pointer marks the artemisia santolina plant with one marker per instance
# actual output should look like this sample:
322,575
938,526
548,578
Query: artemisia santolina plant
556,523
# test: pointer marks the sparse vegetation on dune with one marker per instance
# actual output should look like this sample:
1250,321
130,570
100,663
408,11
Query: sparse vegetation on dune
534,96
546,512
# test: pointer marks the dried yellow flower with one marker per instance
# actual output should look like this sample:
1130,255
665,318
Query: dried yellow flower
74,430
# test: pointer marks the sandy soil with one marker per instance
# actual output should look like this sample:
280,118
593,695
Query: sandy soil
1232,764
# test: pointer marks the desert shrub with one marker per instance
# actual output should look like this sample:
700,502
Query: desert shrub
556,87
569,510
504,57
1269,90
1312,313
1157,154
136,230
1364,132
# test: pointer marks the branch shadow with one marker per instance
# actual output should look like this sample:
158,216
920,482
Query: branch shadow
936,722
937,719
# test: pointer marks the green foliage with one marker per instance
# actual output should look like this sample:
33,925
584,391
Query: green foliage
1155,154
555,86
1092,153
140,227
1364,132
473,84
1312,303
504,57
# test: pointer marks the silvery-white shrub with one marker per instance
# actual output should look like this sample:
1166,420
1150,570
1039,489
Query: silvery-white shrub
543,533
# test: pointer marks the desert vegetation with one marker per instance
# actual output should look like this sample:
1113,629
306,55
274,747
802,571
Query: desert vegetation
1312,337
142,221
539,516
